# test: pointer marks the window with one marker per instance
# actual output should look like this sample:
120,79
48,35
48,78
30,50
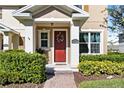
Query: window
121,38
95,42
44,39
89,42
84,43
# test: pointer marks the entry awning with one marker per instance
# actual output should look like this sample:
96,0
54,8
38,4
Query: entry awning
28,11
5,28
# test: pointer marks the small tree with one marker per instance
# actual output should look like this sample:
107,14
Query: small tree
116,18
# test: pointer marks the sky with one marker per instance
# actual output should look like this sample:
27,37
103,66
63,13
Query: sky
112,36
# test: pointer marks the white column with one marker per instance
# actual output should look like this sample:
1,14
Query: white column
6,41
29,39
74,44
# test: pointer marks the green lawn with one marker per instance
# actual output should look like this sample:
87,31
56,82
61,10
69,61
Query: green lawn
113,83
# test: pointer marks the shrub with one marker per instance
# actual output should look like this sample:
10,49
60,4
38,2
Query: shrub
109,57
112,53
101,67
15,50
3,77
21,67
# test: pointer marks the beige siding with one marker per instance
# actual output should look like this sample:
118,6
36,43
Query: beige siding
96,21
97,14
51,13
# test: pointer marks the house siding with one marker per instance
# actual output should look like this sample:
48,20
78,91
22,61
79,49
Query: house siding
96,21
51,12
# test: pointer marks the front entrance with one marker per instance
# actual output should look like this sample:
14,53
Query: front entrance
60,46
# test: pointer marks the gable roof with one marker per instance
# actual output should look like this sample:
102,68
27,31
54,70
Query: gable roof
28,11
4,28
70,8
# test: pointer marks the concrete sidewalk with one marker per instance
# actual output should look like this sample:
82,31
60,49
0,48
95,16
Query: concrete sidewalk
61,80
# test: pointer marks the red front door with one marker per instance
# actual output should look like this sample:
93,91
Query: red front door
60,46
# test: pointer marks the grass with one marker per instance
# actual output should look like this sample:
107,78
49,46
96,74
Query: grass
113,83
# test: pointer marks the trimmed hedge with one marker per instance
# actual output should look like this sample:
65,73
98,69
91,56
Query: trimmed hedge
109,57
21,67
101,67
15,50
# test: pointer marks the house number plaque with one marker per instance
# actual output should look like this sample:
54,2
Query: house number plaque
75,41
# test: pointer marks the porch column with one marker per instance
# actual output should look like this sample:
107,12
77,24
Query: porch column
7,39
15,41
74,44
29,39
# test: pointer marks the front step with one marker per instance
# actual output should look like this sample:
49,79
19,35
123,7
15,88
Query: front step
66,69
60,69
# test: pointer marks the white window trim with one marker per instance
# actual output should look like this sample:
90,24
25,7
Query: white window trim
89,44
48,43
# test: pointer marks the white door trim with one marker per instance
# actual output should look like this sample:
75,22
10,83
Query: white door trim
53,62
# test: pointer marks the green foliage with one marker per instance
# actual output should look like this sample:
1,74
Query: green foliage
115,53
116,17
21,67
15,50
101,67
114,57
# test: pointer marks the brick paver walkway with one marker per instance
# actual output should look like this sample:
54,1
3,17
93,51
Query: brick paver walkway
61,80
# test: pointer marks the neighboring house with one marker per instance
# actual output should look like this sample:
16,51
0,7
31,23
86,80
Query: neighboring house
63,31
121,42
113,48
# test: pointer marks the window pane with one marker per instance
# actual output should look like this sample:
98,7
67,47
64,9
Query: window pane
44,36
43,43
95,37
84,48
83,37
95,48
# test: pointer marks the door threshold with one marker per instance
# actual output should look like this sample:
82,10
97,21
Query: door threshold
60,63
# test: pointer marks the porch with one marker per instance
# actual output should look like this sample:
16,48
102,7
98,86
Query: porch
9,38
54,39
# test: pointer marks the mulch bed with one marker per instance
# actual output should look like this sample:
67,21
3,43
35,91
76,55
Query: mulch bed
78,77
25,85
